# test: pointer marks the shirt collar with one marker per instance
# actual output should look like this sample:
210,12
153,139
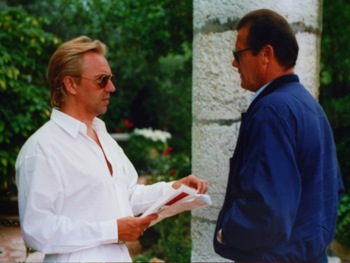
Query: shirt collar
256,94
72,125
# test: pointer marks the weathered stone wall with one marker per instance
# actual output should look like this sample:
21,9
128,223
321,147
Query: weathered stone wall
218,99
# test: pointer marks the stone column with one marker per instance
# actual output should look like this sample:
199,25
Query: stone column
218,99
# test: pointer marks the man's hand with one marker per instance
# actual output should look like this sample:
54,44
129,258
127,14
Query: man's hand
131,228
194,182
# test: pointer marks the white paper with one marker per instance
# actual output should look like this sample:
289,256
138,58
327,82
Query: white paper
180,200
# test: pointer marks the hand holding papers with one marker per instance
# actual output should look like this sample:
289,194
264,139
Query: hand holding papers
182,199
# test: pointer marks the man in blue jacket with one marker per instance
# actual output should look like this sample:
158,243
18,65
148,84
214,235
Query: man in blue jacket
284,183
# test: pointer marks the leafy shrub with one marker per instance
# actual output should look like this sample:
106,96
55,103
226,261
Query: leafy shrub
338,112
343,233
169,240
334,94
144,147
25,49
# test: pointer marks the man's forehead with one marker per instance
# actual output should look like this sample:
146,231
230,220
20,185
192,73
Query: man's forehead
242,35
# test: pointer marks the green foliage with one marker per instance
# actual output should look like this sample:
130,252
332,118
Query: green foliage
169,240
142,258
168,167
335,50
334,94
143,152
151,154
338,110
172,96
149,52
343,233
178,236
24,53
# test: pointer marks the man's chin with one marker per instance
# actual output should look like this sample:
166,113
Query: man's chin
103,111
245,86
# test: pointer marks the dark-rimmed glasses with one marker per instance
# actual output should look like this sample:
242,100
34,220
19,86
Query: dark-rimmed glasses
237,52
102,81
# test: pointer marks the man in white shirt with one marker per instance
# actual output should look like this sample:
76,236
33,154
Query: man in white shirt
78,192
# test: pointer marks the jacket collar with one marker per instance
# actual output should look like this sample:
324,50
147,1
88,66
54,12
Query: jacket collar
274,85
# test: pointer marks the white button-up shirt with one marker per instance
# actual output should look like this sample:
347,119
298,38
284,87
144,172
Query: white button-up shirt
69,201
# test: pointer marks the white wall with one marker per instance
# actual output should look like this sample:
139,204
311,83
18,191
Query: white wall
218,99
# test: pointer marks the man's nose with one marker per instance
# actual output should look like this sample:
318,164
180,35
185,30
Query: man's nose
234,63
110,86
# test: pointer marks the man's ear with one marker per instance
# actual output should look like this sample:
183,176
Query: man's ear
70,85
267,54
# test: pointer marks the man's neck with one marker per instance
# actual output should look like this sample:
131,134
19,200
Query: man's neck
84,118
279,73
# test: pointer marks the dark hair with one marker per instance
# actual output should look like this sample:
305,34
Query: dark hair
266,27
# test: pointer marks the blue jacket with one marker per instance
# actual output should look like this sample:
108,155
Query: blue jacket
284,183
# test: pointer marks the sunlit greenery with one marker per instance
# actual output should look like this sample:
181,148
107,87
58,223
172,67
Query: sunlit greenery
24,48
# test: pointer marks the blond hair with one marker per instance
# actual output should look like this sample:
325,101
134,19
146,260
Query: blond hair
67,61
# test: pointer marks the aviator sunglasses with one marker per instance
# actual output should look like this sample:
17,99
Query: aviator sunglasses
102,81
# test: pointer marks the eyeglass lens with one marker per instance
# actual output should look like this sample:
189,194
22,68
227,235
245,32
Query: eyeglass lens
103,81
237,52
